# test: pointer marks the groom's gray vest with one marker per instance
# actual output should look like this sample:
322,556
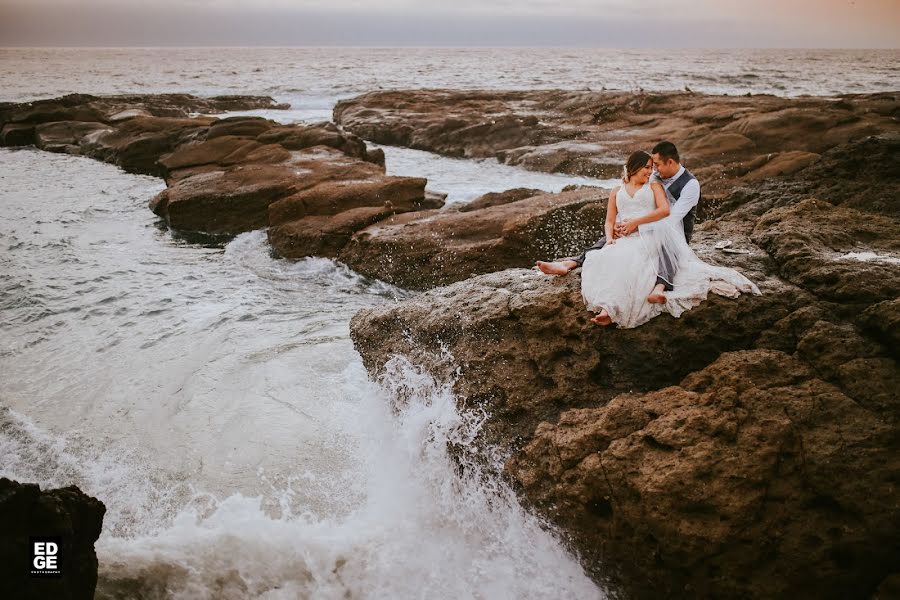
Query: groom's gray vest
674,190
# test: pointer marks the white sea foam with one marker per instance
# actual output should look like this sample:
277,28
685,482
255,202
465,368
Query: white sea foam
212,399
871,257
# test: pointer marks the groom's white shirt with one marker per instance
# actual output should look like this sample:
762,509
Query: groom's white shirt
690,196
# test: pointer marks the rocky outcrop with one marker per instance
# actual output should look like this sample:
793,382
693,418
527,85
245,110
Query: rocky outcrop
748,449
744,481
724,139
67,513
223,174
420,250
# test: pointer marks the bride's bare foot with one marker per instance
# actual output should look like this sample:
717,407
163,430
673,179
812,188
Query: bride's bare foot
601,318
556,268
657,296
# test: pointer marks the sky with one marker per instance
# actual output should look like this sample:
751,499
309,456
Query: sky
578,23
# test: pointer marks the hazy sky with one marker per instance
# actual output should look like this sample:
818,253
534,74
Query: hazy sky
600,23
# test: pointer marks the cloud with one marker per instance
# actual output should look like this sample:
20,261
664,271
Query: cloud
598,23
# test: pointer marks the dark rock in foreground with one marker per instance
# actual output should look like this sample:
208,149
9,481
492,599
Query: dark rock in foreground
26,511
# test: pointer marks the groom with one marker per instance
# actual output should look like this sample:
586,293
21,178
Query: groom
683,193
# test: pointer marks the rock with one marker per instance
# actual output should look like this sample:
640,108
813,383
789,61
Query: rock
65,136
863,175
320,220
223,151
222,174
17,134
137,144
519,343
811,240
694,490
723,143
592,133
225,202
784,163
300,137
425,250
323,235
497,198
883,321
746,450
26,511
239,126
433,200
889,588
110,109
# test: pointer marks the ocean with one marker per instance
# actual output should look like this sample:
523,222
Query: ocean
209,394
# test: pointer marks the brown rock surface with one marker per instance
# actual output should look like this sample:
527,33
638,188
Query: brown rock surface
497,198
422,250
700,487
222,173
748,449
590,133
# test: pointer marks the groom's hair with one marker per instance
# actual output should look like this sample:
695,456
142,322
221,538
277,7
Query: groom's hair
666,150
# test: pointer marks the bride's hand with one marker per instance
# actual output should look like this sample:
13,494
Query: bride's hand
627,228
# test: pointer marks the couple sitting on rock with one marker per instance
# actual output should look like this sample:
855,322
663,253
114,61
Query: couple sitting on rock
643,266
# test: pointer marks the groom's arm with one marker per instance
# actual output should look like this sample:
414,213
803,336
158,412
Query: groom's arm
690,196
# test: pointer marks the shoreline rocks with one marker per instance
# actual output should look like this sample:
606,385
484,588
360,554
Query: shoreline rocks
750,448
723,139
678,458
222,175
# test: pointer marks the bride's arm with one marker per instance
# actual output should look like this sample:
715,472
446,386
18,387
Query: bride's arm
611,212
661,211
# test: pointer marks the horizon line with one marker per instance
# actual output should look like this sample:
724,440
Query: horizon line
445,46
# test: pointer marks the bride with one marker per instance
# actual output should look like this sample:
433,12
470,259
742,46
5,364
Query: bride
616,280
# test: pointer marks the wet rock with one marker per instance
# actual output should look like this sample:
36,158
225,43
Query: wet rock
25,512
137,144
226,202
320,220
17,134
420,251
498,198
838,253
64,136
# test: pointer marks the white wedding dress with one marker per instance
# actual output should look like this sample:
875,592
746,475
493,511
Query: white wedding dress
619,276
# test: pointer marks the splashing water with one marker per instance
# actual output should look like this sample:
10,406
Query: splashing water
211,398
